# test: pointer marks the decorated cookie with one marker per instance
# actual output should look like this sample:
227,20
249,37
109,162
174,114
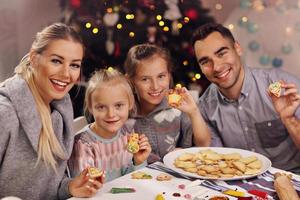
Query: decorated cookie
275,88
140,175
94,172
174,98
219,198
133,143
163,177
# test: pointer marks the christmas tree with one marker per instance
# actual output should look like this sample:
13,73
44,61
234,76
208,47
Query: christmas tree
110,28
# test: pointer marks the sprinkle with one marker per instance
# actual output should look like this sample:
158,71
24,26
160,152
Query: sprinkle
159,197
187,196
176,194
258,193
181,186
234,193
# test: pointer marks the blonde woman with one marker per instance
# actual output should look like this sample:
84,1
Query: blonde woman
36,137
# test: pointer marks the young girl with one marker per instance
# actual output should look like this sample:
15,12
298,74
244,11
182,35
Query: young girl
149,69
36,120
102,144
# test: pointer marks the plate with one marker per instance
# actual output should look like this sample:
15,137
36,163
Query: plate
169,160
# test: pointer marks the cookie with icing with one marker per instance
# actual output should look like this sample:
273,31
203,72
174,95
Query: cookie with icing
133,143
275,88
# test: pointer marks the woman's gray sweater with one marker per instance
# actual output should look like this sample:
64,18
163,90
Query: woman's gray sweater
20,127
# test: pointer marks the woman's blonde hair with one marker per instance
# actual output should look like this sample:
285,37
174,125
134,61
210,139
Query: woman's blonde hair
49,148
107,78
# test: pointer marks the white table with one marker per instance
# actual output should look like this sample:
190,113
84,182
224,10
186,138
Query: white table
147,189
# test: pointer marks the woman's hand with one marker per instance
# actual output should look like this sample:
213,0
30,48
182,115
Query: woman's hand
84,186
144,151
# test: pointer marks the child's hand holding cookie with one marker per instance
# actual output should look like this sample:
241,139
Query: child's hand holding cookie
133,143
186,102
144,150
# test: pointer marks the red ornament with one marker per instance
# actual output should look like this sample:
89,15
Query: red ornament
146,3
75,3
191,13
117,52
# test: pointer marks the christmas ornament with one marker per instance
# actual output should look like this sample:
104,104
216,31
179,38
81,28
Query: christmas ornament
264,59
109,44
75,3
110,19
253,45
151,34
191,14
245,4
277,62
172,13
140,17
286,48
252,27
175,29
242,22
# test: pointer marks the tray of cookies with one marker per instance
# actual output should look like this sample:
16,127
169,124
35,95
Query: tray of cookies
217,163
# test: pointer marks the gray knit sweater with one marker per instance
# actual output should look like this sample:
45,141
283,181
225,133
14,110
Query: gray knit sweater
20,127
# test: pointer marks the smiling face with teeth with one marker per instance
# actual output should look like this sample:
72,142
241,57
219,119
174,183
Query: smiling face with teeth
57,68
151,81
219,60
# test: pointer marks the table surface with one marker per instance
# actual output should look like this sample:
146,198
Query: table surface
148,189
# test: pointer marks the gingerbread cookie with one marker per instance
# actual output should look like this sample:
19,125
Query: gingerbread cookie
95,172
163,177
174,97
133,143
140,175
275,88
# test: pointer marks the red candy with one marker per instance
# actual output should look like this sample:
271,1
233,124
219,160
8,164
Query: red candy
187,196
181,186
259,193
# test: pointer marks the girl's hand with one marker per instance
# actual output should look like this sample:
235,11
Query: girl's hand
187,103
144,152
287,104
84,186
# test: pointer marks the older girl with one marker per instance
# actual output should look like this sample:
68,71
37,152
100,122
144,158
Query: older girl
149,69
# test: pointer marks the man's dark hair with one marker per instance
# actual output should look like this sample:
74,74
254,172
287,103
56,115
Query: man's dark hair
203,31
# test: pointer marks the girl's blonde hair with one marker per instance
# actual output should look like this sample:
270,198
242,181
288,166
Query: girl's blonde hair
107,78
49,148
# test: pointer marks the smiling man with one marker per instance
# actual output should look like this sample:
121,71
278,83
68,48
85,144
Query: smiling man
237,106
